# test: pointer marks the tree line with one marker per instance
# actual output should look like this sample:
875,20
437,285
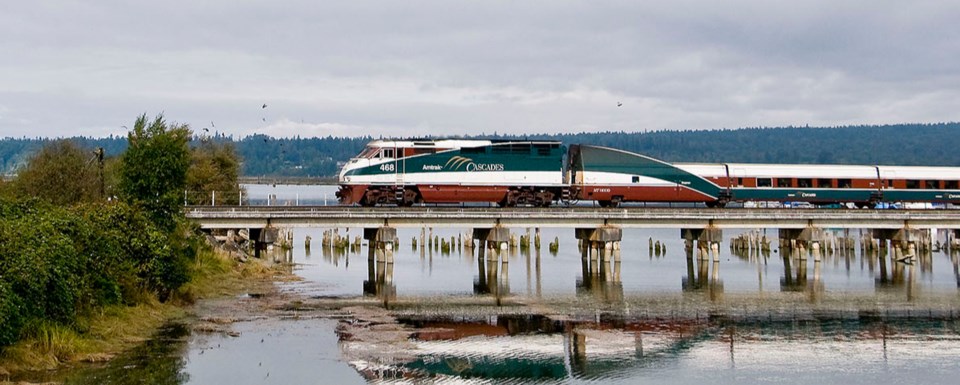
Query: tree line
900,144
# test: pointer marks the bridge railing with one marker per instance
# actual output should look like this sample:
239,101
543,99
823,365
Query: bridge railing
243,198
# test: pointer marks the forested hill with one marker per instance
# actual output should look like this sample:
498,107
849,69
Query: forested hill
902,144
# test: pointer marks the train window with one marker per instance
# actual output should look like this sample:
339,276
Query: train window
824,182
542,149
913,183
932,185
784,182
739,182
844,183
636,179
512,148
951,185
764,182
473,150
386,153
890,183
804,182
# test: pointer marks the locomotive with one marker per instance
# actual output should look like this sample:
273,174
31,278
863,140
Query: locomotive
541,173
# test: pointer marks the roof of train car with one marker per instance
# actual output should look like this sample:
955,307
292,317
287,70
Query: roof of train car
763,170
447,143
770,170
919,172
442,143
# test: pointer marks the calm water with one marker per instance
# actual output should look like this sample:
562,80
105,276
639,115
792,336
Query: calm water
849,347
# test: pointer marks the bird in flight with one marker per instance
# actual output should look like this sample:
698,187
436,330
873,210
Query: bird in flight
264,105
619,104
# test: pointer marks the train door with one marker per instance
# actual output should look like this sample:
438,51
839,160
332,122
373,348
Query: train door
574,176
401,162
738,175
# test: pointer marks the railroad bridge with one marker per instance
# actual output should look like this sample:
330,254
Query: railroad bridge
601,226
600,230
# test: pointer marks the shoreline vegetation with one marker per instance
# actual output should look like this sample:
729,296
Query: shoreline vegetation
95,253
113,329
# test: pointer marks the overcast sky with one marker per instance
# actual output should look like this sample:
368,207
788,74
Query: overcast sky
407,68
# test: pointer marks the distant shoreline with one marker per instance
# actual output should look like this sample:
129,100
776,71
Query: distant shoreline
291,180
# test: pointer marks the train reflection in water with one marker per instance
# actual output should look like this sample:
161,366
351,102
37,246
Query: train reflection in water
537,348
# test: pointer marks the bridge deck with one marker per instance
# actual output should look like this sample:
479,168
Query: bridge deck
633,217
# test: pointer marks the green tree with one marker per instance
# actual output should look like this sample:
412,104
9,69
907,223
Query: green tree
153,170
214,167
62,173
6,189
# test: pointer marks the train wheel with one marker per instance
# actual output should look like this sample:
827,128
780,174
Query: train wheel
370,198
410,197
511,199
543,198
716,204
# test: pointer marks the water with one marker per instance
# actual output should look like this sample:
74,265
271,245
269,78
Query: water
262,352
651,318
289,195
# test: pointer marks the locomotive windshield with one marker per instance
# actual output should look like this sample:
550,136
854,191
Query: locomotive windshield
368,152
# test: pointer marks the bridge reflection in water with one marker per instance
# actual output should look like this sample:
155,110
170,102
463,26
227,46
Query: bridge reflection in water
538,349
623,316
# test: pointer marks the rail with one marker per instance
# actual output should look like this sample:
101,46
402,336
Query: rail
320,216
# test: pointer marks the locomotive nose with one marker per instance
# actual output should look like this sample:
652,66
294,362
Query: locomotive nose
350,165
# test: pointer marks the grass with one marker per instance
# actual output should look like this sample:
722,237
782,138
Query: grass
100,336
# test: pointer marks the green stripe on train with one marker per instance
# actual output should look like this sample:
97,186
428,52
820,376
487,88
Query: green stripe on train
493,158
604,159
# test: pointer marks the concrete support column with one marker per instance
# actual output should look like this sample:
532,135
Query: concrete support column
599,243
708,241
264,238
381,239
802,239
497,237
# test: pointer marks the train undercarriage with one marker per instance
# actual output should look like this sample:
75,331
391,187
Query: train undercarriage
405,196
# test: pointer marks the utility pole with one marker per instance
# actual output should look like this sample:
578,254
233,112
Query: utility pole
99,153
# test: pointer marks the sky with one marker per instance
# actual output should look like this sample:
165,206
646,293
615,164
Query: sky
445,67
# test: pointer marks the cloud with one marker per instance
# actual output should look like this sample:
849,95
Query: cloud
441,67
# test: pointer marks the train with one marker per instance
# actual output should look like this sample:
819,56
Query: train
513,173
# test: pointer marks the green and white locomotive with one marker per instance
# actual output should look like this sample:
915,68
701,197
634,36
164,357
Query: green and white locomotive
540,173
405,172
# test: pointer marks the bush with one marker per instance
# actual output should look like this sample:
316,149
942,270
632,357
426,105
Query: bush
59,264
11,318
